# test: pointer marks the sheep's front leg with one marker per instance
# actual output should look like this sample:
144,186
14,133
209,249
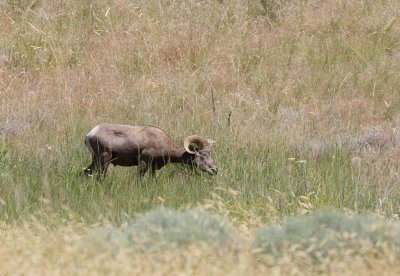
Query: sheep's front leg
154,167
142,166
104,162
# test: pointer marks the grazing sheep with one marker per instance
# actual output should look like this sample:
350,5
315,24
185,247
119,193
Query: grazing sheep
147,147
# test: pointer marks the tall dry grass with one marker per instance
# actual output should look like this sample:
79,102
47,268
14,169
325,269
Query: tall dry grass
367,246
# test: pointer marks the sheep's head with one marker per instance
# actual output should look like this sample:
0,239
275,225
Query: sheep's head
200,150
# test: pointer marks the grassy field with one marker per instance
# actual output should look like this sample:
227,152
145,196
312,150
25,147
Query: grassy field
301,97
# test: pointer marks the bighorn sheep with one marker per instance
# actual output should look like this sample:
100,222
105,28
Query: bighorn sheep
147,147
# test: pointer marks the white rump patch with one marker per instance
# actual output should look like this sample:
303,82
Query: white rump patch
93,131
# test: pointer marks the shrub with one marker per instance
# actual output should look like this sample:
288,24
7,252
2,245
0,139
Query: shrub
165,228
328,233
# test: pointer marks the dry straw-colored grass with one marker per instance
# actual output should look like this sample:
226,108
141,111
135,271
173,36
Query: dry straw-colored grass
328,68
64,251
68,249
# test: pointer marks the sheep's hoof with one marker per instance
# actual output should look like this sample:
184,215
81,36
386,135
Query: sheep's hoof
88,172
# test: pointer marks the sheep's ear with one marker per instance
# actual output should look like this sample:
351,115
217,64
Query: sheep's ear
210,142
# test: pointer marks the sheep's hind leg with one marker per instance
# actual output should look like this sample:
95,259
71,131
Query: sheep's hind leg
91,168
98,166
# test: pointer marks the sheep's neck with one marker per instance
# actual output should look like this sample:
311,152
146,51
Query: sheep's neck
179,155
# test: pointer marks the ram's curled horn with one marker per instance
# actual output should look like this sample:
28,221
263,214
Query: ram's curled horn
195,139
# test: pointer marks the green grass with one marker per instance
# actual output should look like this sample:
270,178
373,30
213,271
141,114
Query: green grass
269,184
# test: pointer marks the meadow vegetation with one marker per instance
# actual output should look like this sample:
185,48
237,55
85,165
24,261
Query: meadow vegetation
301,97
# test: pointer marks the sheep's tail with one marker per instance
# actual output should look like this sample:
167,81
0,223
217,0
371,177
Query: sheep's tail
88,145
